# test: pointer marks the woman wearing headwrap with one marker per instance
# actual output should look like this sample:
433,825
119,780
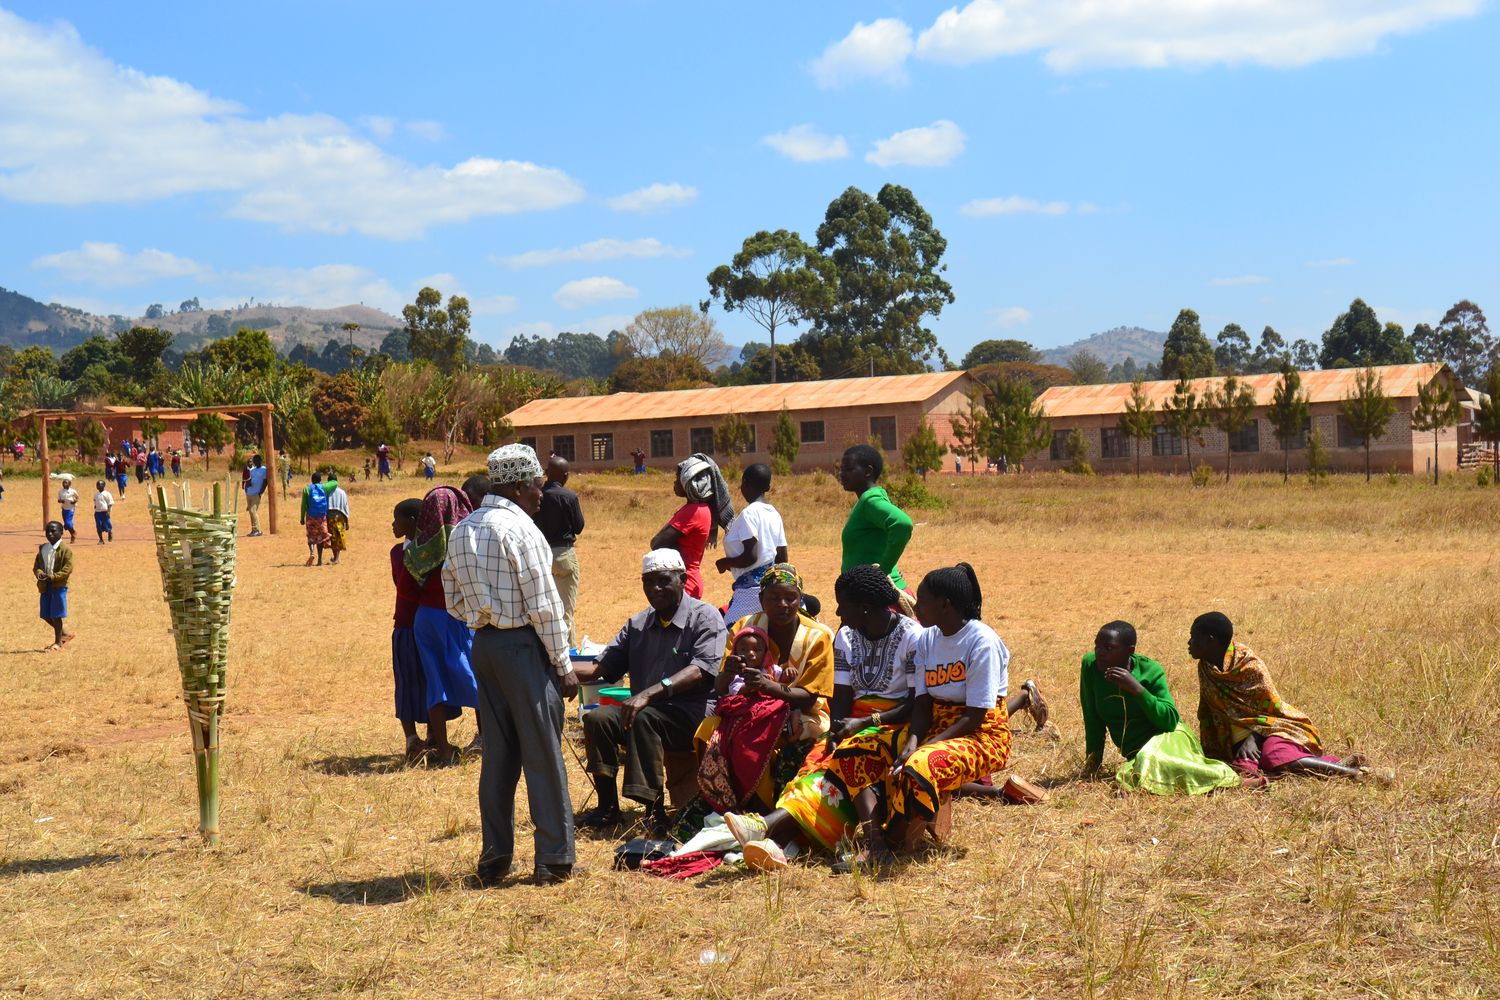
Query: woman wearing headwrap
696,524
442,641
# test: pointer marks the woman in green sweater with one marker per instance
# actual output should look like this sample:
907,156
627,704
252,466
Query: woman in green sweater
1125,694
877,530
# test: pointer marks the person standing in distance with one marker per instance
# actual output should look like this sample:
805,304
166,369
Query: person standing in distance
255,488
561,521
498,578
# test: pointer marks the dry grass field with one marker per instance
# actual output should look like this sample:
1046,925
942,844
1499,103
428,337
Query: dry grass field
343,874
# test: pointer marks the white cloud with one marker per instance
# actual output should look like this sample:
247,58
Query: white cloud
109,266
79,129
380,126
494,305
1332,262
424,129
870,51
1079,34
1017,205
935,145
1240,280
805,144
653,197
605,249
1010,316
323,287
589,291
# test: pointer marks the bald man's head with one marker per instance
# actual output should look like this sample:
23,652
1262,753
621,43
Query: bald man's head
557,470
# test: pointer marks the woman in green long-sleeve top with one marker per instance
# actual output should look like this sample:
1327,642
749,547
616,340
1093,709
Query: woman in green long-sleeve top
1125,695
877,530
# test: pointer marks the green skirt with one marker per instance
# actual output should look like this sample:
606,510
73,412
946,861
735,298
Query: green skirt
1172,763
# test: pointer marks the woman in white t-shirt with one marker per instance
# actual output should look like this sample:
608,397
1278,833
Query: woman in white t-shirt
754,542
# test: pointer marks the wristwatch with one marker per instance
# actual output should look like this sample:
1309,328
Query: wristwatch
666,686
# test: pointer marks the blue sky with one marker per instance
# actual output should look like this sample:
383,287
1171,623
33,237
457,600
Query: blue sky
568,164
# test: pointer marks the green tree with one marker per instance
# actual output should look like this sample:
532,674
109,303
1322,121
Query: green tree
247,351
1138,422
142,347
30,362
211,431
1357,338
732,438
1087,368
1317,457
1233,351
888,257
1272,353
1437,408
775,279
1288,415
1368,410
97,350
1462,339
786,442
1232,407
988,352
794,363
1187,351
678,332
973,433
91,435
305,437
380,426
1078,453
659,374
1186,415
336,403
921,452
436,334
1018,426
1487,416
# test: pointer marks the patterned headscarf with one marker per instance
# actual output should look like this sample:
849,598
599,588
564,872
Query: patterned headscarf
780,573
702,482
514,463
442,508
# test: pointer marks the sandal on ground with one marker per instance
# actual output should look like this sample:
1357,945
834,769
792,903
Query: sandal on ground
446,756
416,751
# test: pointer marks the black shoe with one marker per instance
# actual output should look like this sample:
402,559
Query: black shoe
552,874
489,875
600,818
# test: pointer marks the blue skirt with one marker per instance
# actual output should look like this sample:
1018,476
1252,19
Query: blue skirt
55,603
68,518
443,644
411,683
102,522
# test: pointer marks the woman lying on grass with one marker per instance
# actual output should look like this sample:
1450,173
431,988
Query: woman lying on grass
1125,694
1242,717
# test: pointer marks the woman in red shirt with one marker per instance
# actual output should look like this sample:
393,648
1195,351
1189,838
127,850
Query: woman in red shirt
696,524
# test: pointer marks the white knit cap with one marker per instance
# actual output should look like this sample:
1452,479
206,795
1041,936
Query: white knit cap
662,559
514,463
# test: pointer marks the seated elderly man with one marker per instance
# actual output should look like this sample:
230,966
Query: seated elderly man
671,652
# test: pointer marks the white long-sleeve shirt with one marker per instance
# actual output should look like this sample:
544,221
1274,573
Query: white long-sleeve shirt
499,572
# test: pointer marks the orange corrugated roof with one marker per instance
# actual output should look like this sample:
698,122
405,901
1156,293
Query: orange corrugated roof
719,401
1329,386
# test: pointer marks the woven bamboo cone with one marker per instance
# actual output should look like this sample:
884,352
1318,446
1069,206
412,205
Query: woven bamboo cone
196,553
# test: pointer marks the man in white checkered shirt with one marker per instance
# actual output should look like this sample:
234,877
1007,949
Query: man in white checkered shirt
498,579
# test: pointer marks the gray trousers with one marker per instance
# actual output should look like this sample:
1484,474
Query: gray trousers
521,716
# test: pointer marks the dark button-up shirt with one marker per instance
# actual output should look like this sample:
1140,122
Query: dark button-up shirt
560,517
647,650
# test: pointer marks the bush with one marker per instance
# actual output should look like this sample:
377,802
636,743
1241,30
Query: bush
1486,475
910,492
1317,458
780,466
1203,474
345,473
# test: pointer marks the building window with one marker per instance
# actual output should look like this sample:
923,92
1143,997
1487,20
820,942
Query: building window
529,442
1300,442
662,445
562,444
1347,437
1165,441
1059,451
1247,438
1113,443
602,447
701,440
883,429
812,432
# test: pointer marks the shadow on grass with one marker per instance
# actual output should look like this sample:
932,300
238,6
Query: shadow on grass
54,866
380,891
351,764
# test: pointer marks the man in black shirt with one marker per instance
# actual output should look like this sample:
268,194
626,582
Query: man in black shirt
561,521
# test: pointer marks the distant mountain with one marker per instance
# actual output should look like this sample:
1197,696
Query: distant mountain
1113,347
25,321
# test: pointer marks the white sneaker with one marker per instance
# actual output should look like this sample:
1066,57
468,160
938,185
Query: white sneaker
765,856
745,827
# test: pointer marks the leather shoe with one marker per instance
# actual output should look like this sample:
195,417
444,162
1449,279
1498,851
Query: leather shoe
552,874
